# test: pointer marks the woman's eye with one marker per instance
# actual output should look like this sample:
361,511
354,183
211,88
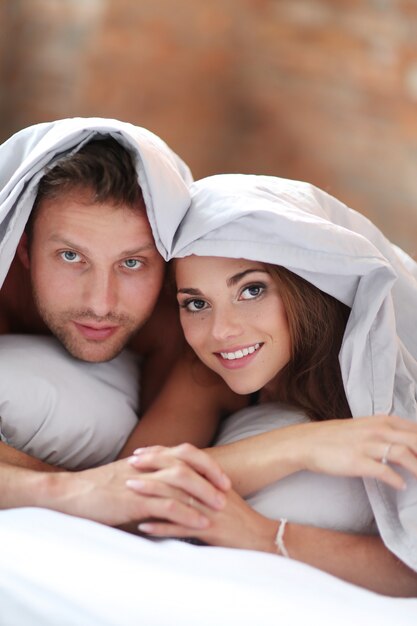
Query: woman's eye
132,264
70,257
253,291
195,305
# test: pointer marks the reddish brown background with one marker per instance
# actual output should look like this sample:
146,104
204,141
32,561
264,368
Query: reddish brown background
323,90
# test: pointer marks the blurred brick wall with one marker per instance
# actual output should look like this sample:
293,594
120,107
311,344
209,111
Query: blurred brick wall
322,90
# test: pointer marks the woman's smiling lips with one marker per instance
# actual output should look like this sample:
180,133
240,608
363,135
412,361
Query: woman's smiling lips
97,333
238,357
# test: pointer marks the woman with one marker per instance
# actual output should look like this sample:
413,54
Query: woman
285,294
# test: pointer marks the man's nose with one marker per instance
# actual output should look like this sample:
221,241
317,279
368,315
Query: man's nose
226,324
101,293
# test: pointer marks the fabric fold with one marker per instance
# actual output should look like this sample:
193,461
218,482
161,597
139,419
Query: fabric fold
162,175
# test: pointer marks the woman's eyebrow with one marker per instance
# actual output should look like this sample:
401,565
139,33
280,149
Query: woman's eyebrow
238,277
230,282
190,291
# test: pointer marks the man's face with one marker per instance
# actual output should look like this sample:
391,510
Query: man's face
95,272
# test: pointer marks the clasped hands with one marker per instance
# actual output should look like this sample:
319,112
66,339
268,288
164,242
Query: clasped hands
372,447
182,492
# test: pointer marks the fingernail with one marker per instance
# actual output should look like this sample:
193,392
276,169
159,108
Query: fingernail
135,484
145,528
131,460
138,450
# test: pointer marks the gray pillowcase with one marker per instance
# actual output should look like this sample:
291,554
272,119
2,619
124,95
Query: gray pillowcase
339,503
62,410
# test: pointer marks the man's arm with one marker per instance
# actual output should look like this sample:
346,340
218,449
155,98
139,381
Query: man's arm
11,456
112,494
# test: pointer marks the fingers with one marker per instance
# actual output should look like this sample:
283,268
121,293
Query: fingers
170,472
159,457
386,474
177,513
149,485
401,455
160,529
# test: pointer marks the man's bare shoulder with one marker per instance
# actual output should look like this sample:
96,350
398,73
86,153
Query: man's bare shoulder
17,309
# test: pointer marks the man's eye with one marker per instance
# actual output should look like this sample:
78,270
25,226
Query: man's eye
253,291
70,257
195,305
132,264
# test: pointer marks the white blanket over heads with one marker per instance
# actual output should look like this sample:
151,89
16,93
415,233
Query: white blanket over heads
304,229
162,175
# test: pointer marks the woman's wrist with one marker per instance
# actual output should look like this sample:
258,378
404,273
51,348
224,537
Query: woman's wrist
266,536
295,447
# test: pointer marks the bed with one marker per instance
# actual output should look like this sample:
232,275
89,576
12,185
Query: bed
56,569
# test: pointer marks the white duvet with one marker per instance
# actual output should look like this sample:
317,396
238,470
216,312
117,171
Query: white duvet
57,570
162,175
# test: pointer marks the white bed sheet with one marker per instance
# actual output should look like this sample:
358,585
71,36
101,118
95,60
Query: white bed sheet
56,569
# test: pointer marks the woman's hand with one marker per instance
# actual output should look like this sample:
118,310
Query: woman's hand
341,447
359,559
236,525
368,447
182,474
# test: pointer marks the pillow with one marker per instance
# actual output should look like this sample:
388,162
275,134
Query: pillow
61,410
335,502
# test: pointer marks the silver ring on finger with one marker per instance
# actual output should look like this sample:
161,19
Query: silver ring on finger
385,458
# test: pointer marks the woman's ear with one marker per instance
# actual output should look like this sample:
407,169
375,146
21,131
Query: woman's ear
23,251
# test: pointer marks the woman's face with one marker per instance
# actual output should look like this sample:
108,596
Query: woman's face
234,319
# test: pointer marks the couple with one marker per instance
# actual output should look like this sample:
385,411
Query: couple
277,283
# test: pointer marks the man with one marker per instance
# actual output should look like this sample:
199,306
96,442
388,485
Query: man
87,269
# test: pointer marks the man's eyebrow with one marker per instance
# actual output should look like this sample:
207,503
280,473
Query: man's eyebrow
125,253
144,248
233,280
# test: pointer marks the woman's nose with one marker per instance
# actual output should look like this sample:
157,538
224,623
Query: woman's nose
226,324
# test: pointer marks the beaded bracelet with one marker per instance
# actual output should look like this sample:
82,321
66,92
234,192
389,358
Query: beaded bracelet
279,539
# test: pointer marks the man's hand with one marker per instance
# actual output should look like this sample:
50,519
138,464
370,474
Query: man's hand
158,483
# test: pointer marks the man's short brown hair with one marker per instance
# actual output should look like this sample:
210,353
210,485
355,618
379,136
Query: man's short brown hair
102,166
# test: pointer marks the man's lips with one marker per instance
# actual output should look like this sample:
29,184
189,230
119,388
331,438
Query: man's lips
95,332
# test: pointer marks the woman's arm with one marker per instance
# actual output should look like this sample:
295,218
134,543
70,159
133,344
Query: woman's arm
346,447
188,409
359,559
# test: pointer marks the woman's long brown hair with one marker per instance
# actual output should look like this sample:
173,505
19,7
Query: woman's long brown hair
312,380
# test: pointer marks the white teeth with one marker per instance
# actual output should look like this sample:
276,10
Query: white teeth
230,356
